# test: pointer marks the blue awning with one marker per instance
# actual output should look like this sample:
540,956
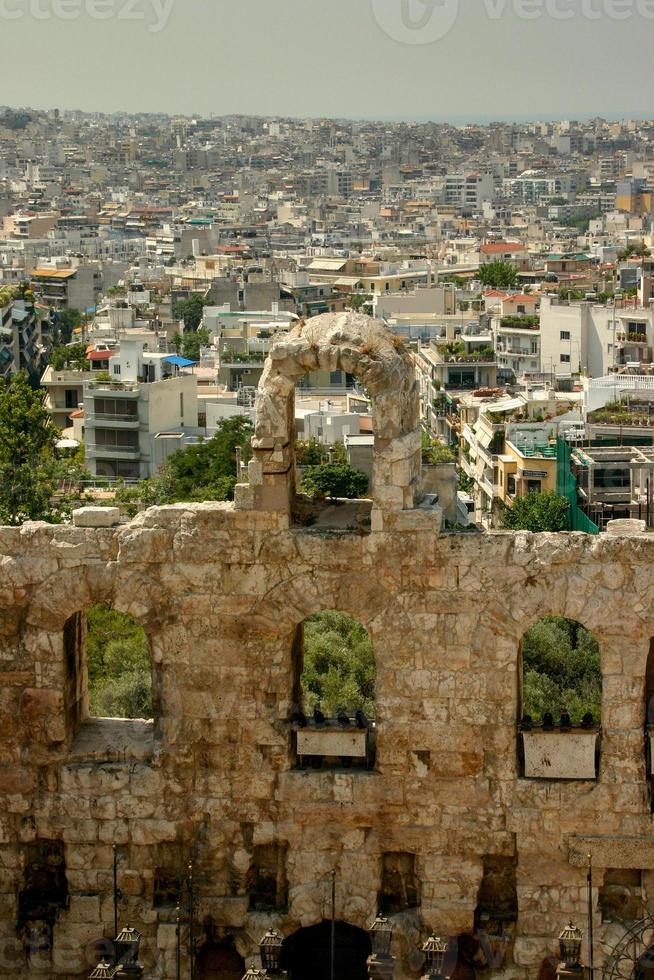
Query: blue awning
179,361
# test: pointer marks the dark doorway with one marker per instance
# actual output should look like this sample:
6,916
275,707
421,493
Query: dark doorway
219,961
306,954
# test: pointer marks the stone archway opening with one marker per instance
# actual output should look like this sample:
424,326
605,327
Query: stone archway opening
560,701
109,670
307,953
364,348
334,673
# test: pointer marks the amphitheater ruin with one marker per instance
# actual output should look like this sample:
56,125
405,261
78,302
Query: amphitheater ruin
447,820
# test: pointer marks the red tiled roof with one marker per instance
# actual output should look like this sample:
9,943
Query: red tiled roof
497,248
100,355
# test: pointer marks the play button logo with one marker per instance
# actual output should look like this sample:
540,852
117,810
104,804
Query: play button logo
416,21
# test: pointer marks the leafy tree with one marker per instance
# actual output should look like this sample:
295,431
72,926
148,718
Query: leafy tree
315,453
434,451
638,249
570,294
211,461
64,323
465,483
27,438
73,356
561,663
15,120
190,311
339,665
498,274
359,301
537,512
191,343
195,474
119,665
334,480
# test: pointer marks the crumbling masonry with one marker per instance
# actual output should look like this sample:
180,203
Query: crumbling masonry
444,825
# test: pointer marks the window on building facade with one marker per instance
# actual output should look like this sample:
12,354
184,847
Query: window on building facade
334,693
565,335
620,896
565,358
108,667
561,672
266,879
560,701
399,885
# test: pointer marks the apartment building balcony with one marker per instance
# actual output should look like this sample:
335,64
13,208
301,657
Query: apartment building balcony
234,360
519,324
96,450
105,420
116,389
482,357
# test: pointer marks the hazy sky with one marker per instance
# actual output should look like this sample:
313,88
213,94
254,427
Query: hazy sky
359,58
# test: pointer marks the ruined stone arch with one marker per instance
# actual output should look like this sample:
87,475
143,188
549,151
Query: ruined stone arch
365,348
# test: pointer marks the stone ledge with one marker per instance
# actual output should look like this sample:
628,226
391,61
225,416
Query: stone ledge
612,852
113,740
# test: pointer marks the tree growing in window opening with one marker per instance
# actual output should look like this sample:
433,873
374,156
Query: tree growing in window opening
339,666
119,665
561,671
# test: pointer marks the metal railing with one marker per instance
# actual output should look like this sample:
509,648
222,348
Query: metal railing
107,417
114,450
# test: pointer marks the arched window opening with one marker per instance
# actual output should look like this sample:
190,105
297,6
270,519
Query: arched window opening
119,665
621,896
497,909
108,668
44,893
333,717
267,884
561,700
400,888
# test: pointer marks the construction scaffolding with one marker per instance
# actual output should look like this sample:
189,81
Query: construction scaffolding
567,486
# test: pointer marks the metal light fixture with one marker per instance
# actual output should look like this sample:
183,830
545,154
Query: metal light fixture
128,943
435,949
270,947
570,946
103,971
253,974
381,935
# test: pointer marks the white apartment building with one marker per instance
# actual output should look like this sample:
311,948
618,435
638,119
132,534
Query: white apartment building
517,345
125,419
468,191
586,338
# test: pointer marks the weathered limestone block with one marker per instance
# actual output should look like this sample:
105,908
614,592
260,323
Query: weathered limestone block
96,516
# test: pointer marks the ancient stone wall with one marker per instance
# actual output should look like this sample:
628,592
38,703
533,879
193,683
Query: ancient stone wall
444,831
221,594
